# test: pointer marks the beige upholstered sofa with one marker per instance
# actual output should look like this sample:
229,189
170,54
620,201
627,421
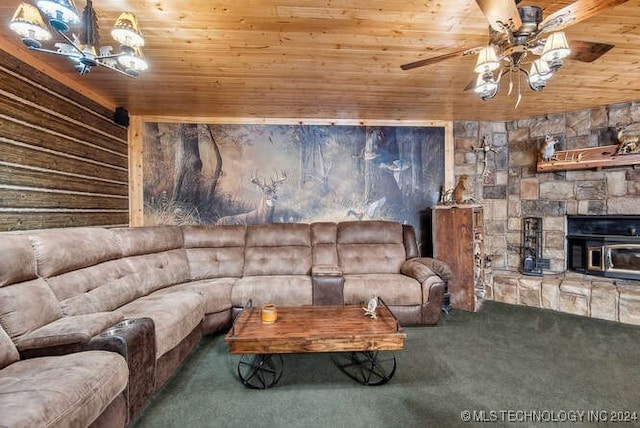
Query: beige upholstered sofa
148,294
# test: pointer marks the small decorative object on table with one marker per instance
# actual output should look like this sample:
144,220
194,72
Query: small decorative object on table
370,310
269,313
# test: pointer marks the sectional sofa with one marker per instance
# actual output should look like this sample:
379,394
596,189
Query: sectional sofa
94,320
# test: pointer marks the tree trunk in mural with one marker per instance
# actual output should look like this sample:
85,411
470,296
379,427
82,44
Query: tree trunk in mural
188,180
210,188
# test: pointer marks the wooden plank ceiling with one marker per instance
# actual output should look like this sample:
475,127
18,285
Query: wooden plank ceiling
337,59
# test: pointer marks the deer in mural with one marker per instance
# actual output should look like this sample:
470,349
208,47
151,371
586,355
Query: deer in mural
264,212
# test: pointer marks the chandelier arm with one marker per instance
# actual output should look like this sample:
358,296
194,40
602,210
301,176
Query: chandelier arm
49,51
103,64
110,56
71,42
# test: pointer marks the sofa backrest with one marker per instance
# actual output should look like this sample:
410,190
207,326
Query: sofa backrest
215,251
155,255
26,301
98,270
373,246
323,241
8,351
277,249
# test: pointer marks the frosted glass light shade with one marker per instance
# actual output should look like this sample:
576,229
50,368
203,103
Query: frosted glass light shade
555,48
487,60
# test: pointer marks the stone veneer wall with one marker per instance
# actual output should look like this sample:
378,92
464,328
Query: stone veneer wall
513,189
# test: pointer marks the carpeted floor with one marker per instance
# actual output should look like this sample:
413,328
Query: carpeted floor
502,366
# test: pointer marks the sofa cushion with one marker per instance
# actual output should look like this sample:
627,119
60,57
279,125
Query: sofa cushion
64,250
207,263
150,239
68,330
108,286
214,236
323,241
394,289
216,292
8,352
175,315
63,391
19,314
287,290
370,247
17,263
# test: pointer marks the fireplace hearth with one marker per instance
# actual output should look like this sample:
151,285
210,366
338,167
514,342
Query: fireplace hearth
604,245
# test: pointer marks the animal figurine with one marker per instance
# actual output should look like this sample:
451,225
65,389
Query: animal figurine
549,149
370,310
459,190
629,144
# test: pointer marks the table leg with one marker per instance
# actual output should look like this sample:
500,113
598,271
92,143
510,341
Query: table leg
260,371
370,368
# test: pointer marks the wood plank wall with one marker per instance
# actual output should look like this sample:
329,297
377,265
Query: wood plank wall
63,161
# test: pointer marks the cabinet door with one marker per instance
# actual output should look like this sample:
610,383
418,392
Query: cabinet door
454,241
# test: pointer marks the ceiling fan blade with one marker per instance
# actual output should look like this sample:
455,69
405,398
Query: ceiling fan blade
588,51
577,11
501,14
470,85
435,59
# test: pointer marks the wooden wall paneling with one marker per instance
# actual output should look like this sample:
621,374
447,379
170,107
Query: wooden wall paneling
136,183
23,220
22,176
63,161
30,134
18,197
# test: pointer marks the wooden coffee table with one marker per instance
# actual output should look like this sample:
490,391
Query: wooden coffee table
359,342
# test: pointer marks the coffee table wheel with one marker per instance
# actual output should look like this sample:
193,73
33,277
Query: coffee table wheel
260,371
370,368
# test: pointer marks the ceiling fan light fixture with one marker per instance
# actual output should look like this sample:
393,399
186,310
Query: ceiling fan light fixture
555,49
27,22
126,30
486,86
487,60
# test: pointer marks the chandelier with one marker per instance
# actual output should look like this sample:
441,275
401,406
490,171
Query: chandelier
512,60
83,49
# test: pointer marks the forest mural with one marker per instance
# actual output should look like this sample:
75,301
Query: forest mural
245,174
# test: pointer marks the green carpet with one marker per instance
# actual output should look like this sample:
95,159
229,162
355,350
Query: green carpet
507,365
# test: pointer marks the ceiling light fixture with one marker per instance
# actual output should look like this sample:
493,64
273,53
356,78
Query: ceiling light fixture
84,50
512,57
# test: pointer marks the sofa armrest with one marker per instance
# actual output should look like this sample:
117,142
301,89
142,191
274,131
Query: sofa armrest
438,267
327,285
326,270
66,332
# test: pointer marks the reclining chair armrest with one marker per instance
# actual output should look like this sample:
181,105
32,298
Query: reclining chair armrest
65,335
439,267
328,284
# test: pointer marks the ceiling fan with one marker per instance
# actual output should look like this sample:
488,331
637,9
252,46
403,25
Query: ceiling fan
519,37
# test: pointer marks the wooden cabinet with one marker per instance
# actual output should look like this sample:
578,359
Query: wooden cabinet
458,240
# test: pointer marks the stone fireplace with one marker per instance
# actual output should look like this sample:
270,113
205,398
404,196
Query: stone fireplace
514,190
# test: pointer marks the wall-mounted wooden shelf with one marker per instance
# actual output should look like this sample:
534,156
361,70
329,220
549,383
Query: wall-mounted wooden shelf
587,158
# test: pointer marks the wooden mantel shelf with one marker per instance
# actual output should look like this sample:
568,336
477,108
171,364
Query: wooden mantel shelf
587,158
